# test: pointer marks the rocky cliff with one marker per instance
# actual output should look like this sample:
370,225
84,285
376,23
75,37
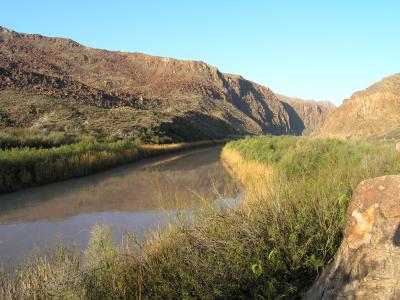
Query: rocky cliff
368,114
306,115
367,263
173,97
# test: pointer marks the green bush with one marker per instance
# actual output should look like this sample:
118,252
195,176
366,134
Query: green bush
24,167
273,250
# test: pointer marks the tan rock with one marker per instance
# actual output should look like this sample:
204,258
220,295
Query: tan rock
306,116
371,113
367,264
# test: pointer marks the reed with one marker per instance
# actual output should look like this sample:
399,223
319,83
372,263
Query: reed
26,166
23,137
272,247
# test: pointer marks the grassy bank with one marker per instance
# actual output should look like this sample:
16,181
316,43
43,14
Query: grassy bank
22,137
273,246
28,166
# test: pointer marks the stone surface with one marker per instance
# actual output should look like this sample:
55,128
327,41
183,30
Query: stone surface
367,264
306,115
368,114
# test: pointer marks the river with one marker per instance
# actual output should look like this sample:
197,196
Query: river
135,197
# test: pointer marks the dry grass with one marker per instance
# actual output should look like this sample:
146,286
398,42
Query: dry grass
249,174
157,149
275,248
25,167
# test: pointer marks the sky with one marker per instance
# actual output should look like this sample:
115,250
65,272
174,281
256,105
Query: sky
323,50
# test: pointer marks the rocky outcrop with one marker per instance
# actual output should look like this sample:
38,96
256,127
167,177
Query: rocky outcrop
62,68
367,263
369,114
306,116
39,84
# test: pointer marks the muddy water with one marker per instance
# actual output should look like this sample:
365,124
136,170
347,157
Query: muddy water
135,197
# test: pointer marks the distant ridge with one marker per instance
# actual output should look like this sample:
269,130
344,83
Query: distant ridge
180,99
368,114
312,114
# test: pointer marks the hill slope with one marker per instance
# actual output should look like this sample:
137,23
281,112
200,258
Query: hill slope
128,94
368,114
306,115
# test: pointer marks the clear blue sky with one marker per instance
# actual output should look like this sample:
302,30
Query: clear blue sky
308,49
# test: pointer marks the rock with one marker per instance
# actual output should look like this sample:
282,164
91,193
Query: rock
371,113
367,264
33,62
57,67
306,116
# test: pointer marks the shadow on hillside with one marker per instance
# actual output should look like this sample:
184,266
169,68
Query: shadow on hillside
194,126
296,123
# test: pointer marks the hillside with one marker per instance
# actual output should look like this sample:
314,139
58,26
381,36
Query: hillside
184,99
306,115
129,94
368,114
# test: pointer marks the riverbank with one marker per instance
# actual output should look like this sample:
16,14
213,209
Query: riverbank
248,173
29,166
274,248
134,197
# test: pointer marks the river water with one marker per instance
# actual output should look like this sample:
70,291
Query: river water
135,197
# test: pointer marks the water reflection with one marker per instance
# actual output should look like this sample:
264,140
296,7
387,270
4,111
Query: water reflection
126,198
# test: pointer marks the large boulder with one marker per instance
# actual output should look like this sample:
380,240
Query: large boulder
367,264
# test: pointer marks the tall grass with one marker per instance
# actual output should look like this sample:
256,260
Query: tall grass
271,247
23,137
25,167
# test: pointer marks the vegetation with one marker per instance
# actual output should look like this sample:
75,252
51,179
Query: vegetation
22,137
27,166
22,110
75,118
23,167
271,246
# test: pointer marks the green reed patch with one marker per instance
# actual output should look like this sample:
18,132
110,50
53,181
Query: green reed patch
24,167
22,137
274,249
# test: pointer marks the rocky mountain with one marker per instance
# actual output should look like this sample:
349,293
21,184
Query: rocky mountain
306,115
57,84
368,114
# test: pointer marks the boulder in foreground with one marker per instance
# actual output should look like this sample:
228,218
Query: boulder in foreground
367,263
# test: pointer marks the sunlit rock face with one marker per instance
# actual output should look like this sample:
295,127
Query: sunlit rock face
371,113
367,263
306,116
187,99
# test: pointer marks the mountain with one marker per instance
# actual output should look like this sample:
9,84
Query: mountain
56,84
306,115
368,114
